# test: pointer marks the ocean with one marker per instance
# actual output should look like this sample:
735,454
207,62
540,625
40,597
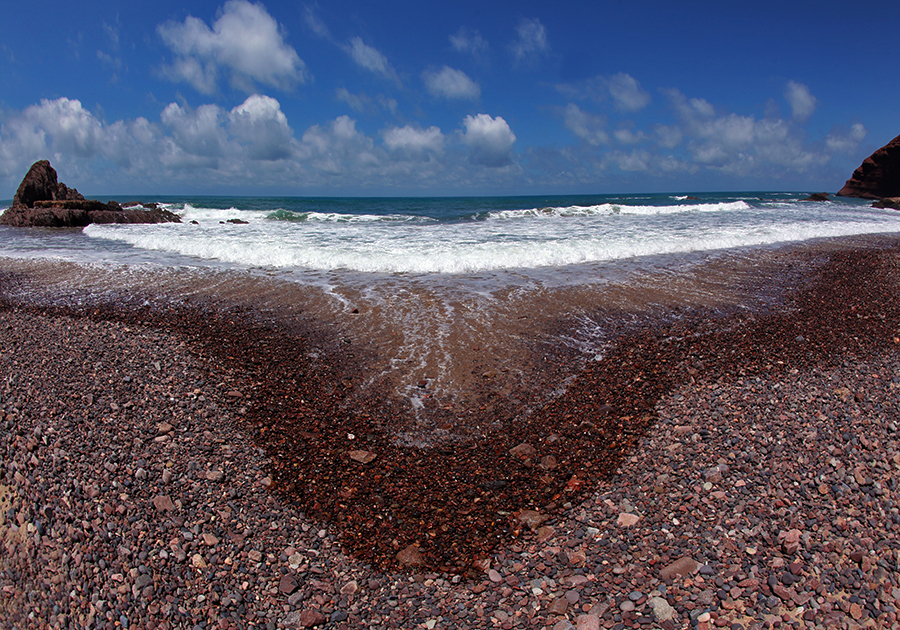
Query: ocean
445,290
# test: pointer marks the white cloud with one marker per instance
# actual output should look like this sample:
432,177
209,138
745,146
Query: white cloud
197,132
801,100
371,59
668,136
588,127
450,83
244,42
338,147
260,124
72,128
413,139
740,144
626,93
365,104
846,140
627,136
531,41
467,40
489,139
315,23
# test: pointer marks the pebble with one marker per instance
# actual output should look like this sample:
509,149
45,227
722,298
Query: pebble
70,475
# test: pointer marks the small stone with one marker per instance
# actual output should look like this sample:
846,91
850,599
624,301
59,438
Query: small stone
494,576
523,450
588,622
163,503
531,518
790,541
704,617
363,457
198,562
288,584
661,609
350,588
548,462
210,540
683,567
215,475
558,607
411,556
312,617
164,427
627,606
627,519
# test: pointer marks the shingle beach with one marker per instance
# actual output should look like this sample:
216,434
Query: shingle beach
738,472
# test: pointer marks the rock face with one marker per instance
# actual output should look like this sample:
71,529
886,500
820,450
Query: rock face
43,201
878,176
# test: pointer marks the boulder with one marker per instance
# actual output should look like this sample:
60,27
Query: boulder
43,201
888,202
878,176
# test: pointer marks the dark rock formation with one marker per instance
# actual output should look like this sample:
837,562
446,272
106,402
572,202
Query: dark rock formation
878,176
888,202
817,197
43,201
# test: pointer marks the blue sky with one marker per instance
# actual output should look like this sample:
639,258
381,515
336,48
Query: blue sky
409,98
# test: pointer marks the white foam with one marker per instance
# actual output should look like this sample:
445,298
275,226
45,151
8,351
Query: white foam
517,239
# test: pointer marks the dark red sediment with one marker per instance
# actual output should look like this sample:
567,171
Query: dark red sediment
518,465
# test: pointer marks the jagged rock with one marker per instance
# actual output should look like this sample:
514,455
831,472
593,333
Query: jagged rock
888,202
43,201
817,197
878,176
41,184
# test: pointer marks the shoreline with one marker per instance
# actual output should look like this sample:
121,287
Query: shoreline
685,360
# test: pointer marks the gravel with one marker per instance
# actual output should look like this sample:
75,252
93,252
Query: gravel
750,483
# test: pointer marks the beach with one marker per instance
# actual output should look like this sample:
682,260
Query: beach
196,463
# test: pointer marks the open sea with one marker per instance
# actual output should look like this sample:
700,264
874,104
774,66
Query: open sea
445,290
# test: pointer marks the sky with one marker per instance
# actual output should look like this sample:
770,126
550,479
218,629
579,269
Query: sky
397,98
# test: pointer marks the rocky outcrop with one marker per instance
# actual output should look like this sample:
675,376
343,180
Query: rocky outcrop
878,176
43,201
888,202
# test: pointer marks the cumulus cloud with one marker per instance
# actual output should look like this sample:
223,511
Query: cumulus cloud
470,41
262,127
531,41
626,93
245,43
414,140
801,100
489,139
197,132
588,127
338,147
450,83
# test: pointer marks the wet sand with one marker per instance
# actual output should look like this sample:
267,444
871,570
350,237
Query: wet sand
503,460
